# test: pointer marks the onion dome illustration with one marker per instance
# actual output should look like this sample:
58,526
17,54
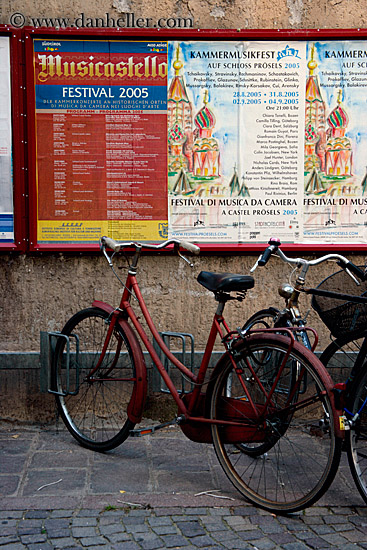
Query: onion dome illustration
205,119
206,149
338,118
338,149
338,121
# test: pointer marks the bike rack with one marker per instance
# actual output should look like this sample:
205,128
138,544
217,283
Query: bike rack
48,346
47,355
186,357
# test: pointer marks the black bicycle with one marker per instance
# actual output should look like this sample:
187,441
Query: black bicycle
340,300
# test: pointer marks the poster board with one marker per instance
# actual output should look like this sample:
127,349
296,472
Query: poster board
219,137
12,147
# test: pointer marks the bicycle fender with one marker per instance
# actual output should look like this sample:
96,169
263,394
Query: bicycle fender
137,403
218,367
318,366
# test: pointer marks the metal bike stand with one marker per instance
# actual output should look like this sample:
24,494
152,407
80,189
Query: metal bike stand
48,346
187,357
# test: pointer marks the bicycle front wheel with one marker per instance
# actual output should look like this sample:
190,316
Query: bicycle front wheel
272,407
93,401
357,436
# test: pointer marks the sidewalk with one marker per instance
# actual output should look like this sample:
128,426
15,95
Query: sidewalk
146,494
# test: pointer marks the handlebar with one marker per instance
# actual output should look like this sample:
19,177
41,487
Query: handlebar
274,249
274,244
107,242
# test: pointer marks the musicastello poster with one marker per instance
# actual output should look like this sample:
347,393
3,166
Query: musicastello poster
101,105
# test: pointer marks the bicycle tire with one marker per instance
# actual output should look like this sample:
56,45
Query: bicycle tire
340,355
303,451
264,318
356,438
94,412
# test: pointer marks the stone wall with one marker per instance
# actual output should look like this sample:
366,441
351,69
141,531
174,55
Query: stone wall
211,14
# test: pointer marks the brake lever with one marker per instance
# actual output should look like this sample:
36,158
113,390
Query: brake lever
353,277
185,259
108,258
256,264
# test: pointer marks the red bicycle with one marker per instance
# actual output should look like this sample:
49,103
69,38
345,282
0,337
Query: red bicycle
277,438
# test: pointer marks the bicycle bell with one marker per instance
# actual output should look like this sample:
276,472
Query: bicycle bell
286,290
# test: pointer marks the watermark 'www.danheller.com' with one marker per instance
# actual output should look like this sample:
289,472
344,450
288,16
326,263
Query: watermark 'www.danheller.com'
126,21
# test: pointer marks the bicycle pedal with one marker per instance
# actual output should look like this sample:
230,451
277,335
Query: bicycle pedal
139,432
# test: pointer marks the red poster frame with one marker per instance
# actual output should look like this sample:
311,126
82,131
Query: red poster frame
163,34
18,121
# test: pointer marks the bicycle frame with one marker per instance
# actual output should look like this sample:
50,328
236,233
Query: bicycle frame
189,409
291,310
219,327
291,294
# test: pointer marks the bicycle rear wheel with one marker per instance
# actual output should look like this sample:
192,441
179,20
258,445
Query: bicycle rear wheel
264,318
357,437
295,424
93,405
341,354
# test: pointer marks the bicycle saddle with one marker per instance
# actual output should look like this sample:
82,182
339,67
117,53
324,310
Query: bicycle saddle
225,282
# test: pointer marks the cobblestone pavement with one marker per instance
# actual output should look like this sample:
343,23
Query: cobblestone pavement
180,527
160,491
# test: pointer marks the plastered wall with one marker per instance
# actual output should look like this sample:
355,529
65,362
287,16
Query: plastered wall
42,292
39,293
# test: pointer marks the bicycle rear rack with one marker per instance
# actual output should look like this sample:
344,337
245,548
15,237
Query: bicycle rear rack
48,347
186,357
